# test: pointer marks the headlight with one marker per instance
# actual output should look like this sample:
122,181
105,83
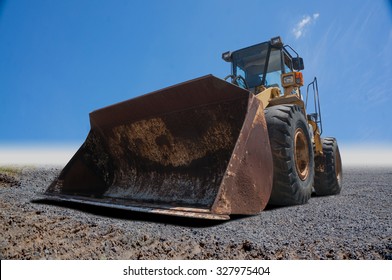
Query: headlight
226,56
288,80
277,42
292,79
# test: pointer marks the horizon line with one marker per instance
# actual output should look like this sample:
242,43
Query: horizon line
354,155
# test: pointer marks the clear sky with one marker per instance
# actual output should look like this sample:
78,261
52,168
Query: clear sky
60,60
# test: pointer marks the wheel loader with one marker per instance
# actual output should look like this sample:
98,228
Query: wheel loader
209,147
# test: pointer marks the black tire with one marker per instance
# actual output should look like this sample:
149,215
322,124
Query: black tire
329,173
292,153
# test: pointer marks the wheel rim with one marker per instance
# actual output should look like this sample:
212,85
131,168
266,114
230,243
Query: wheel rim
301,153
338,167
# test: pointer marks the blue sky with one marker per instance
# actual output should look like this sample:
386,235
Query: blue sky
60,60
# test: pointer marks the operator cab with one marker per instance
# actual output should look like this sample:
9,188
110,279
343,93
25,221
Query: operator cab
262,65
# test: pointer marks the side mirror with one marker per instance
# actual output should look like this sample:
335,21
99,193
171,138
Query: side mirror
298,63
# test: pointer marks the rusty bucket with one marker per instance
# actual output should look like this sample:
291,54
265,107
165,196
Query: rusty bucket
197,149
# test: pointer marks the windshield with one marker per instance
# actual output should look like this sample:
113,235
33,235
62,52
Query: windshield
274,69
250,64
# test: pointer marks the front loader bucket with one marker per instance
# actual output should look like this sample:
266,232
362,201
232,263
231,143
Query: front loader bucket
197,149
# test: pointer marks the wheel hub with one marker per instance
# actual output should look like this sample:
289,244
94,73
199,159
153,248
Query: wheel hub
301,153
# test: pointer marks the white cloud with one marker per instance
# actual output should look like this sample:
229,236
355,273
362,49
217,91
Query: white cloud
299,29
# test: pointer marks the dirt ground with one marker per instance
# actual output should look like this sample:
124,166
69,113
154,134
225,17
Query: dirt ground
356,224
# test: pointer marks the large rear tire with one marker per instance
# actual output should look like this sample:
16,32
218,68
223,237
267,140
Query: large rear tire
328,176
292,153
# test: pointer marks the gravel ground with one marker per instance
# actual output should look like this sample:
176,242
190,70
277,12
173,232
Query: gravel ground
353,225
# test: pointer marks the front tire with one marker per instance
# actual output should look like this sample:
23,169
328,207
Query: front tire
329,173
292,153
